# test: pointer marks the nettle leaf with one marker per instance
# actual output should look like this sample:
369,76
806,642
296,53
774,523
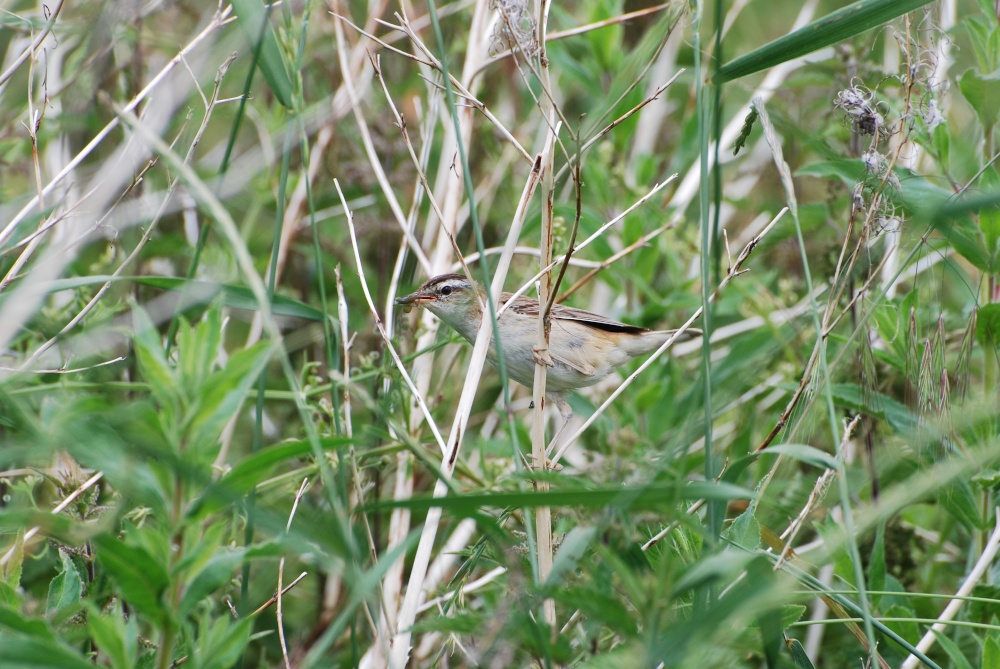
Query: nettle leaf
153,361
65,589
572,549
221,643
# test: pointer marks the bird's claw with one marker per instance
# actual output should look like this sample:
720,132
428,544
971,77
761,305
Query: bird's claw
541,357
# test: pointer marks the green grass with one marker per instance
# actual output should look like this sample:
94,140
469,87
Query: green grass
206,393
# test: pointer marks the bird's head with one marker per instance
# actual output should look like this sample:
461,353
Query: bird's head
451,297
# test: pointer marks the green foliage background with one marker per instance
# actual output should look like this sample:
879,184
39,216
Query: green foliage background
173,343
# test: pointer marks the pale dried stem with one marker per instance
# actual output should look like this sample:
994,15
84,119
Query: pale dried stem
220,18
29,51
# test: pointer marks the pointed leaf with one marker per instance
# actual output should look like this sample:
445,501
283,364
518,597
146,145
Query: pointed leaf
835,27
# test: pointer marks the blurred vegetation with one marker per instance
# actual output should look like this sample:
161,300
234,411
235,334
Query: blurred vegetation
196,406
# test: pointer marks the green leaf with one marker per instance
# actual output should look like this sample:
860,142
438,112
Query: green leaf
881,406
114,636
988,326
138,575
990,658
960,501
222,394
196,292
219,570
13,620
968,241
197,350
745,530
34,653
799,656
989,217
12,571
835,27
153,362
572,549
260,35
65,589
952,650
803,453
876,566
983,93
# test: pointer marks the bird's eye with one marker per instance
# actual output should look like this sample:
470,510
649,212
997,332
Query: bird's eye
446,290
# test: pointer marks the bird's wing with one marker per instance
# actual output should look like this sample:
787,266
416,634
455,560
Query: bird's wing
528,306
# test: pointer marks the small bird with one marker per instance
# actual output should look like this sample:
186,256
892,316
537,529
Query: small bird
584,347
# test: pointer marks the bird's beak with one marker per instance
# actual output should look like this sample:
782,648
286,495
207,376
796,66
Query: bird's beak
414,299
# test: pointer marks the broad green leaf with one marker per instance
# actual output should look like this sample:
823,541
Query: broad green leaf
967,240
954,653
983,93
12,570
114,636
745,530
197,349
35,653
876,566
14,621
989,217
139,576
67,586
835,27
253,18
990,658
799,656
960,501
219,570
253,469
881,406
573,547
